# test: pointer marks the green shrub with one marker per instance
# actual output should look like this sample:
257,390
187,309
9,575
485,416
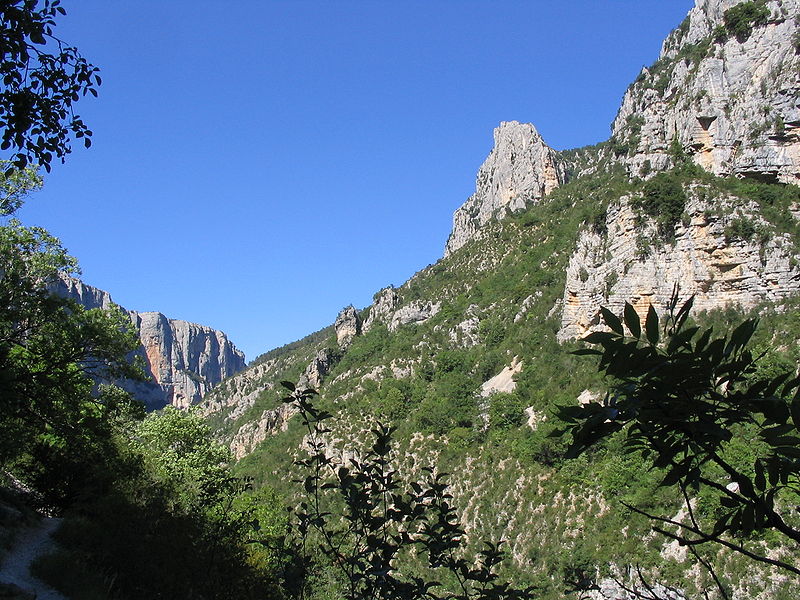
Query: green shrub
740,19
741,228
664,200
506,411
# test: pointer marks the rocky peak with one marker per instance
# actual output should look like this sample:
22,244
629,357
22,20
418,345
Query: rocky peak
726,96
519,171
347,326
184,360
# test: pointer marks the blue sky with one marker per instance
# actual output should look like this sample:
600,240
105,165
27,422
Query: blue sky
259,165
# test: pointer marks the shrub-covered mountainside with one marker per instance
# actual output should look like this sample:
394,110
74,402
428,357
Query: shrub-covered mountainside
469,359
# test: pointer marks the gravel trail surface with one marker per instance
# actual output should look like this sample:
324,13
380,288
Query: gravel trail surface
30,543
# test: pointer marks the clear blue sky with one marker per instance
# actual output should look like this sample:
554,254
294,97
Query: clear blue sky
259,165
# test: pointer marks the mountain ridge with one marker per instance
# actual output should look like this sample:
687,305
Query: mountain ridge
183,360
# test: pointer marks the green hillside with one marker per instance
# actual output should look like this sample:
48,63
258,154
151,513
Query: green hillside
510,479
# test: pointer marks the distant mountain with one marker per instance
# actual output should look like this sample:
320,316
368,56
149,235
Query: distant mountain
184,360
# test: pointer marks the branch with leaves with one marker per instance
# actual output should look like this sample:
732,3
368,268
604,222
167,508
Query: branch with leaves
41,79
684,397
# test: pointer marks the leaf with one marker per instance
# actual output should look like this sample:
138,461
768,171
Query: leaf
612,321
760,481
651,325
742,334
632,320
598,337
675,475
681,338
703,341
683,313
586,352
794,407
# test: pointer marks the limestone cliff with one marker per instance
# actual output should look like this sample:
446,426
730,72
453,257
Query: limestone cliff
347,326
184,360
626,262
729,100
520,170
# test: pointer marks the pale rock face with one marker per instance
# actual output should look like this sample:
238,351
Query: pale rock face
609,589
526,305
316,370
465,334
382,308
534,418
347,326
608,270
414,312
735,112
240,393
385,310
503,381
253,433
185,360
587,397
520,170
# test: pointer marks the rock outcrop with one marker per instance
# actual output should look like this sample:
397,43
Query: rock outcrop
184,360
316,370
624,264
520,170
414,312
383,305
503,382
731,103
253,433
347,326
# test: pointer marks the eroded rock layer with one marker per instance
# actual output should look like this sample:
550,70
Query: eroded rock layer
628,263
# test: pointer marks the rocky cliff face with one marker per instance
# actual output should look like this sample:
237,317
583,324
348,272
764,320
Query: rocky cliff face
185,360
627,263
347,326
731,101
520,170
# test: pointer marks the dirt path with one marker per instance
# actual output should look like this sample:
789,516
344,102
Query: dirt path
29,544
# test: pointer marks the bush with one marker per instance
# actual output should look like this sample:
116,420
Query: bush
740,228
664,200
506,411
740,19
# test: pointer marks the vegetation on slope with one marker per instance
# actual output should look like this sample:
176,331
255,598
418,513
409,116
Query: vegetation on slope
423,379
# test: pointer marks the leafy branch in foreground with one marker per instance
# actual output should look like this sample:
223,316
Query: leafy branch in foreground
41,78
366,520
698,406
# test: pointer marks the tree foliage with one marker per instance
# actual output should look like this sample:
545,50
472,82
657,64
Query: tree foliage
664,200
53,356
180,453
696,405
41,78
